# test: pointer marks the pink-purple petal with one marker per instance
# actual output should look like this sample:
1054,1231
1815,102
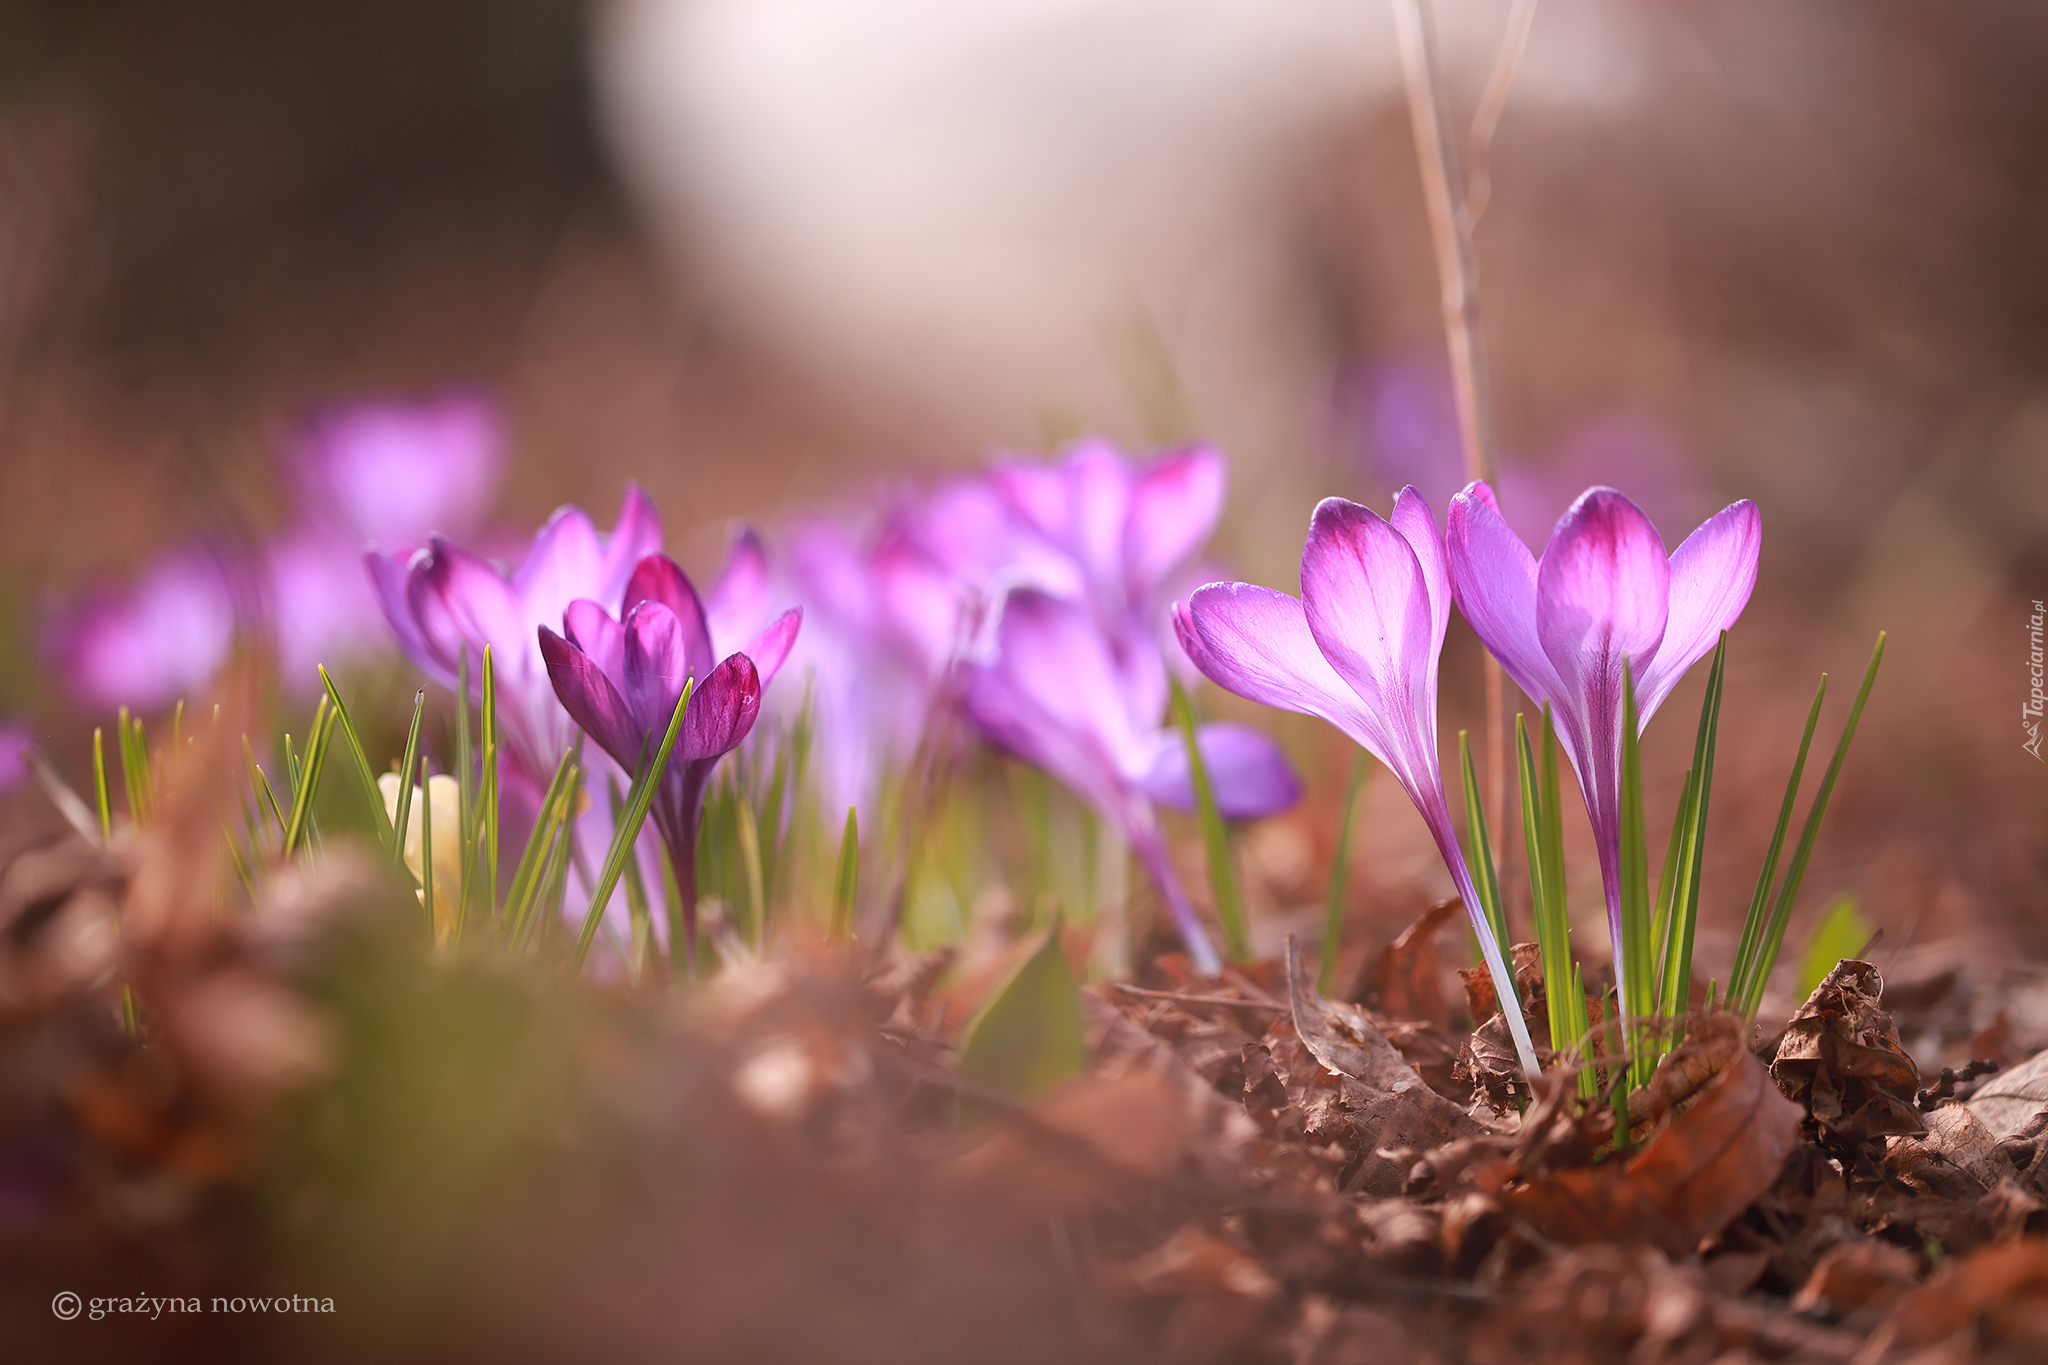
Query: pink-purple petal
1417,525
591,700
1255,641
566,558
1712,575
1247,770
721,712
1174,505
771,647
738,601
635,535
1368,608
591,629
1493,578
1603,589
655,666
459,602
388,578
657,578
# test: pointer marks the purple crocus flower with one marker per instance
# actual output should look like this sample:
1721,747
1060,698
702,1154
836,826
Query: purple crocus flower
158,640
1058,693
444,601
1359,648
382,473
1604,592
620,678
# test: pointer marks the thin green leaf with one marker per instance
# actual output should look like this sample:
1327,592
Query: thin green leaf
525,874
317,743
1781,908
259,782
1230,912
1676,985
465,785
550,871
102,799
1553,935
487,814
1340,877
846,884
628,828
1029,1037
750,864
408,764
1667,880
1841,933
380,819
1639,985
1484,878
427,850
679,960
1754,926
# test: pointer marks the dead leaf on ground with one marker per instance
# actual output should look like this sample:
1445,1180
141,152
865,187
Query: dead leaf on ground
1955,1141
1989,1305
1407,980
1391,1108
1713,1161
2009,1101
1841,1058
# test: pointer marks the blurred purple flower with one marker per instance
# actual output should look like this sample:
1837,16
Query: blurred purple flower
1359,649
380,474
1603,592
620,679
154,642
1057,694
444,601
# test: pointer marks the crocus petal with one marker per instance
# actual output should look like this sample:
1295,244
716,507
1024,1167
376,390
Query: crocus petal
1493,578
565,560
738,601
655,665
1173,508
635,535
1603,590
591,700
1712,575
1368,608
591,629
1249,774
771,647
461,603
1417,525
1255,641
388,577
721,711
657,578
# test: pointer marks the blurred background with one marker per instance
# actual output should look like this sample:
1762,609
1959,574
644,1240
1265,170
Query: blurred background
757,254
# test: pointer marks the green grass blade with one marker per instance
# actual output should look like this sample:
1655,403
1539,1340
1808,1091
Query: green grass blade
487,813
380,819
102,800
1676,985
1230,913
679,960
1553,939
628,828
465,785
131,767
750,864
525,874
1633,952
408,764
1485,880
427,851
1781,909
318,740
1753,927
846,884
1661,920
1340,877
259,782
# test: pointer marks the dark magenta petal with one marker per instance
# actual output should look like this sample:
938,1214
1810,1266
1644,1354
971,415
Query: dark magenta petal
657,578
771,647
654,666
1249,774
459,601
591,629
591,700
721,711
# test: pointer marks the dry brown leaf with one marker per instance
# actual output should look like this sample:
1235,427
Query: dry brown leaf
1407,980
1391,1108
1841,1058
1989,1305
1713,1160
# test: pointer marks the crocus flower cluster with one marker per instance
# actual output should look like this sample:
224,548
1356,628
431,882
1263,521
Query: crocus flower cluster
1604,592
1360,647
381,472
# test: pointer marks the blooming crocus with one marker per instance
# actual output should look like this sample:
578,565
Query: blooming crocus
621,678
444,794
1359,648
154,642
1057,694
383,473
444,602
1604,593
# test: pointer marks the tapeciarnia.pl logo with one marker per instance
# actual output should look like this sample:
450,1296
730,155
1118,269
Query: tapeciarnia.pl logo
2030,713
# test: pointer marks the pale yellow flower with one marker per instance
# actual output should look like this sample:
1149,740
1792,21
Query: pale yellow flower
447,803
